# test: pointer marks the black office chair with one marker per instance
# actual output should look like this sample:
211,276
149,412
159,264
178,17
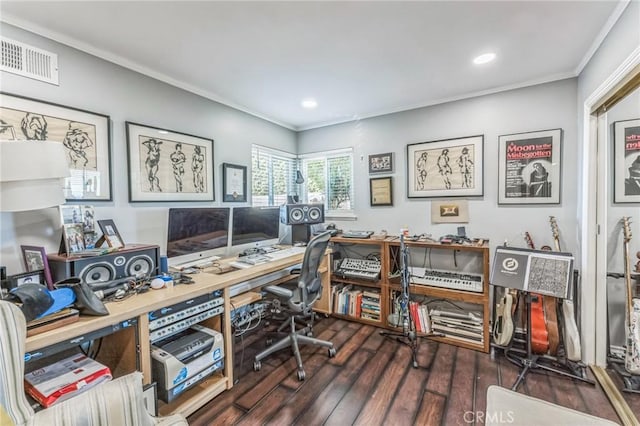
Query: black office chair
300,302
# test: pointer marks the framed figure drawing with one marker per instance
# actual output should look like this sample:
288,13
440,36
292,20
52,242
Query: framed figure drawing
85,136
626,177
446,168
234,183
168,166
529,167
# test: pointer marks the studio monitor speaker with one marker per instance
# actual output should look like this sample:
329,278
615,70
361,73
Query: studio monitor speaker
134,260
297,214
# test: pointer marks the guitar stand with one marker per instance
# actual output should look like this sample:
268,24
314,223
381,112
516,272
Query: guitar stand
531,361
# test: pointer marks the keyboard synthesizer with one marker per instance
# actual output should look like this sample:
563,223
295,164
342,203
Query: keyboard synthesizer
466,281
363,269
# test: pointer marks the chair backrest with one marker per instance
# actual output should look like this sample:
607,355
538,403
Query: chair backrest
13,333
309,281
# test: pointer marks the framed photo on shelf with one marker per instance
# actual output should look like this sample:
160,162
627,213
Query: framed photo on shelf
35,259
165,165
234,183
529,167
446,168
110,233
381,163
626,153
17,280
73,238
85,135
381,191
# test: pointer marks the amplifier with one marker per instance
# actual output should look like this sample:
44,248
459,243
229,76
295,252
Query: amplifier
183,360
170,314
134,260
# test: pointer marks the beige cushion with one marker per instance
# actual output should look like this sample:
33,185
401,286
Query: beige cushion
506,407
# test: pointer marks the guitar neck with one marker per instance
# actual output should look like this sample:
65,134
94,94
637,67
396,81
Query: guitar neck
627,279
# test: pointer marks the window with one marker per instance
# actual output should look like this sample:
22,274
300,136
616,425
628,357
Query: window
329,180
272,176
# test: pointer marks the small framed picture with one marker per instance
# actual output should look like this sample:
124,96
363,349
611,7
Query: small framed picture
110,233
381,191
381,163
234,183
17,280
35,259
73,237
626,148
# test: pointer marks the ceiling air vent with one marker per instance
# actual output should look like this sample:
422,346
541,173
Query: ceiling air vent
28,61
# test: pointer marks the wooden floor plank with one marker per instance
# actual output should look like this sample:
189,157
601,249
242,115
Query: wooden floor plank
380,399
350,346
460,402
406,401
350,405
264,386
486,375
266,407
229,415
374,341
596,404
441,370
431,411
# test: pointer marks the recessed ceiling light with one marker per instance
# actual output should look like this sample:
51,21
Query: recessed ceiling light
309,103
484,58
163,132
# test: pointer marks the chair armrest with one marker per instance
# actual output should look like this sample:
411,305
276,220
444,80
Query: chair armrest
279,291
295,271
116,402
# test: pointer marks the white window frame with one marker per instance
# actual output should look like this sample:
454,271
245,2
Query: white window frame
291,185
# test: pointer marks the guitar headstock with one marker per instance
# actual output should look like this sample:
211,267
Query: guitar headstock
555,231
529,240
626,221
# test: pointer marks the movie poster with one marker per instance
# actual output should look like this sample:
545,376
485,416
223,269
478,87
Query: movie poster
530,168
627,161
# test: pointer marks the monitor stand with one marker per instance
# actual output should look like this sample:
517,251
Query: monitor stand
299,233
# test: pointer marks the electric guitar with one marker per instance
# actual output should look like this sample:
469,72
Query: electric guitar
632,353
503,329
571,334
539,331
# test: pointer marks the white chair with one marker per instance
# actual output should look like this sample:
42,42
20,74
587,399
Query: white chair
117,402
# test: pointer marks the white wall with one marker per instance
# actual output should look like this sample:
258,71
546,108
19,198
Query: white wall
89,83
541,107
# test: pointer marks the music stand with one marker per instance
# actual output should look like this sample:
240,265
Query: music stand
533,271
408,336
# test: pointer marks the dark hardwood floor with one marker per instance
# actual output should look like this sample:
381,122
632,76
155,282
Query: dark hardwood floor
371,381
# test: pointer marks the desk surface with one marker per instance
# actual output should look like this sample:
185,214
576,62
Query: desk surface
135,306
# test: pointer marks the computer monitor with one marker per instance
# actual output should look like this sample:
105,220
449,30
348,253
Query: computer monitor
255,227
197,234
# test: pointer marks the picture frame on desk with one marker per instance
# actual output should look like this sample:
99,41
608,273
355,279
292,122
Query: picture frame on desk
17,280
446,168
234,183
110,234
85,135
165,165
35,259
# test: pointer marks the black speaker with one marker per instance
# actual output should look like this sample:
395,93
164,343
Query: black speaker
296,214
134,260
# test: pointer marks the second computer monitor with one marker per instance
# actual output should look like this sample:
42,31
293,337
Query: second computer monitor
255,226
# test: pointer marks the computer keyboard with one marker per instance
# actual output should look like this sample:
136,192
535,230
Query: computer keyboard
199,263
281,254
357,234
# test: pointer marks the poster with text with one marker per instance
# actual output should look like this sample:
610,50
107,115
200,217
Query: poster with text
627,161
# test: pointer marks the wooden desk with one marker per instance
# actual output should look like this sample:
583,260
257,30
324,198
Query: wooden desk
121,354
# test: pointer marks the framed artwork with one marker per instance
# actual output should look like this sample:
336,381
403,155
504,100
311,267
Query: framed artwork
381,191
168,166
234,183
17,280
381,163
451,211
110,233
446,168
85,135
529,167
626,153
35,259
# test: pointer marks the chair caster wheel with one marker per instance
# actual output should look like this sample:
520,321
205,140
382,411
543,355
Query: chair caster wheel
332,352
309,333
301,375
257,365
269,342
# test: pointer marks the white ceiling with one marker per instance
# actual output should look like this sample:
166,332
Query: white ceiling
357,58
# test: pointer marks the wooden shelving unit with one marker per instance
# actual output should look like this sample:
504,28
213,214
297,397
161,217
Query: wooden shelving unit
452,257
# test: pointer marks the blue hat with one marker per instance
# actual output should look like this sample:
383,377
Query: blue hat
62,298
37,301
